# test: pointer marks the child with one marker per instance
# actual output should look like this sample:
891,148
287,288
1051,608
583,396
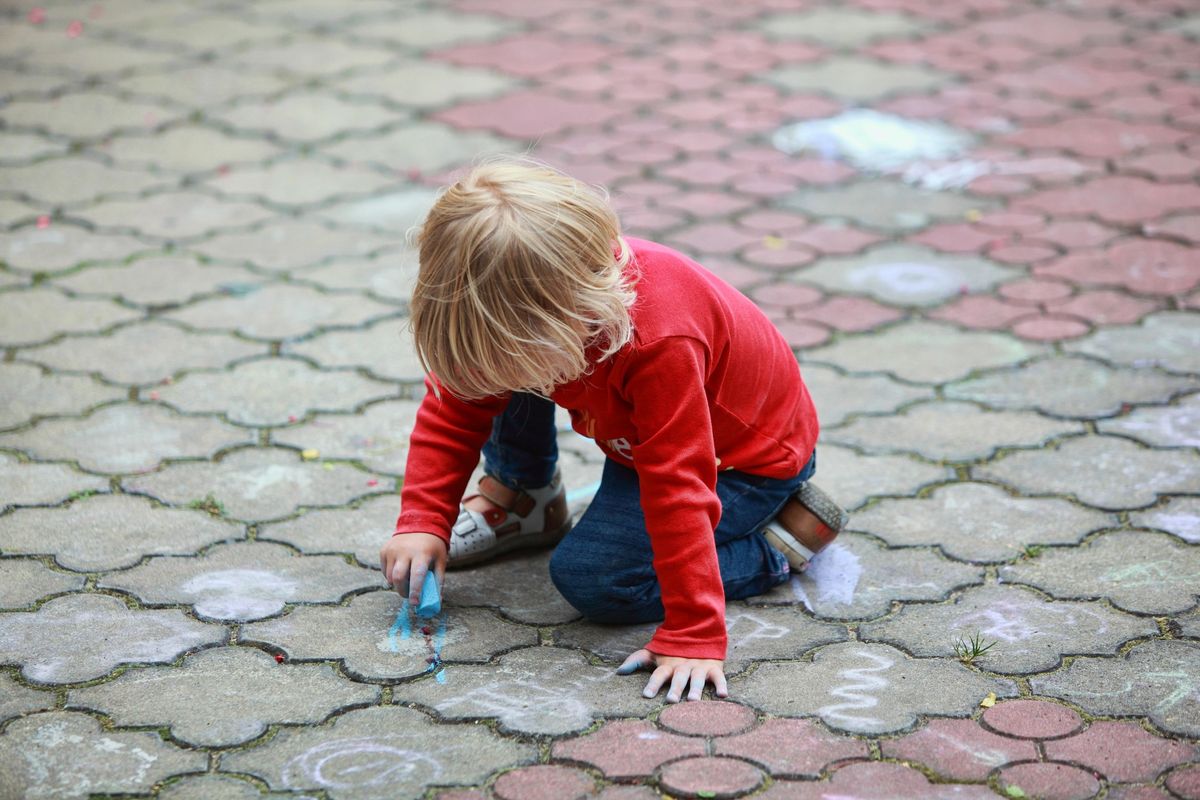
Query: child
527,297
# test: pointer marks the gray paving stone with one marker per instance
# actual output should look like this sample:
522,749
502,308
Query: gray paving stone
299,181
397,211
391,276
429,146
281,312
294,244
838,27
110,532
755,634
79,637
256,484
16,699
378,637
201,86
387,753
435,29
85,115
308,116
1070,387
314,55
1102,471
377,437
535,690
67,755
867,688
271,391
839,396
242,581
211,787
11,213
1190,624
855,78
1140,571
1169,339
163,351
424,84
1180,516
74,180
907,275
125,438
175,215
42,484
979,522
157,281
1156,679
1176,425
20,147
925,352
1030,634
887,205
518,586
360,531
951,431
856,578
190,149
27,392
257,690
25,581
385,348
90,55
32,316
61,246
852,478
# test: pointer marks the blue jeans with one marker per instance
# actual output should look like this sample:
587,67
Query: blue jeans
604,565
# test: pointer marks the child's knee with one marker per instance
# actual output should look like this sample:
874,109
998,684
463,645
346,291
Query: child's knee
600,593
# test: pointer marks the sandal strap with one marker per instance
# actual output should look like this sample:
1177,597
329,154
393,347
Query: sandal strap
496,492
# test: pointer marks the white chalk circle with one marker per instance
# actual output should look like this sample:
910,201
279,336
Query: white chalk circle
360,762
239,593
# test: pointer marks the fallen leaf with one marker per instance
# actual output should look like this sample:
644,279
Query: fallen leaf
310,454
988,701
773,242
1015,791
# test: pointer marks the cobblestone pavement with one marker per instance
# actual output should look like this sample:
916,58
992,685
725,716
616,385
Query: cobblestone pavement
978,223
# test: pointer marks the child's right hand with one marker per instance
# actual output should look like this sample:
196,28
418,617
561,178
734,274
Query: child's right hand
405,559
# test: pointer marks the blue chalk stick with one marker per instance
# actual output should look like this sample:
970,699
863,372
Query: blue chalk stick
431,598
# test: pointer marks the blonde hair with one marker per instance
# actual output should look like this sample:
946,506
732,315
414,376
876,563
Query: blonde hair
522,271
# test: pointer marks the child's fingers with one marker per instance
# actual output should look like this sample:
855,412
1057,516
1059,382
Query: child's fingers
399,575
699,678
635,661
678,683
416,581
720,687
657,679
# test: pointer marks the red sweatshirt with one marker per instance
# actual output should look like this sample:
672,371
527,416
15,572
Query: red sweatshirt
707,383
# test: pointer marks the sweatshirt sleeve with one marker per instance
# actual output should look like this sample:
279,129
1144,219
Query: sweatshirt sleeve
443,452
677,471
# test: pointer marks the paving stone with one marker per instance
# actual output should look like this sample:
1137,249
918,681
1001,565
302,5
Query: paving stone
791,747
1116,199
707,718
852,478
1102,471
951,431
838,27
534,690
298,182
295,244
272,391
893,207
854,78
1070,387
958,749
1185,782
1176,425
16,700
74,180
200,86
210,787
855,578
255,484
163,351
32,316
27,393
426,29
386,753
1180,516
61,246
12,213
20,147
391,276
258,690
385,348
84,115
79,637
397,211
42,484
1169,339
157,281
839,396
925,352
1140,571
1050,781
710,776
1156,679
867,688
359,531
175,215
378,637
241,581
979,522
754,634
876,781
423,84
378,436
427,146
125,438
1031,634
1122,751
67,755
280,312
544,782
517,586
25,581
904,274
627,749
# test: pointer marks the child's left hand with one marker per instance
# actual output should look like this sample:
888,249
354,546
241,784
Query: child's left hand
679,670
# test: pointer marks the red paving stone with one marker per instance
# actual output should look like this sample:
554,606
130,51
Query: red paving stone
791,747
627,749
1139,265
1123,751
958,749
711,776
1047,781
1117,199
1032,719
707,718
544,782
877,781
1185,782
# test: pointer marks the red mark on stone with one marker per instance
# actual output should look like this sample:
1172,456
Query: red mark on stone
291,417
372,482
75,29
37,15
431,660
279,658
223,170
154,395
1126,408
964,289
427,630
414,174
43,222
167,381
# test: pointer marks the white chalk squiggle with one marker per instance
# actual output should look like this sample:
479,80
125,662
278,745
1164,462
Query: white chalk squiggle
859,695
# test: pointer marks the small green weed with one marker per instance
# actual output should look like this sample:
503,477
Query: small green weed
210,504
1034,550
73,496
969,649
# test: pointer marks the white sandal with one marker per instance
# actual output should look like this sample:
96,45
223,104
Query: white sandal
517,519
